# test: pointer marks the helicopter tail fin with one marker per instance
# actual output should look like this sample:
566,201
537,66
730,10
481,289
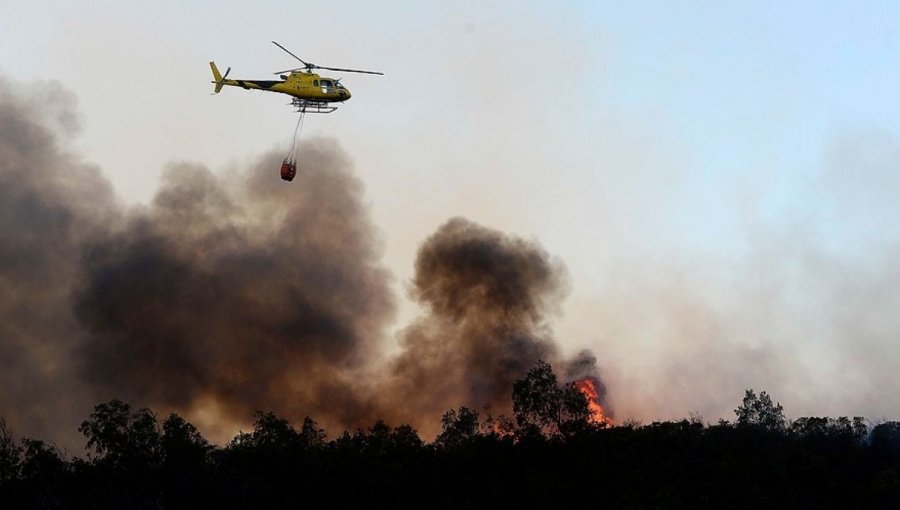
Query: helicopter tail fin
220,81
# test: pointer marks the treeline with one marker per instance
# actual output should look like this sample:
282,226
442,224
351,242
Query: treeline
550,453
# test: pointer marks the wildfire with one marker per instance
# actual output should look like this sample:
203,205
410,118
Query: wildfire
588,387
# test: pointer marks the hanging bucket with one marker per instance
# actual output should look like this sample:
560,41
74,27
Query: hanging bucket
288,170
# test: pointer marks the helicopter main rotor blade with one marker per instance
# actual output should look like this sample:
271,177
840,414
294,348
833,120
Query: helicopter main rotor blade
290,70
291,54
349,70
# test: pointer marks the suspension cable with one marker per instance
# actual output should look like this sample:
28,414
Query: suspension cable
297,130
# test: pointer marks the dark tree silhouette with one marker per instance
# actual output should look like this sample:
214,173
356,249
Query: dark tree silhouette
125,450
458,428
186,464
10,454
541,406
815,462
311,436
269,433
41,460
121,438
885,442
405,440
44,471
842,427
760,411
182,443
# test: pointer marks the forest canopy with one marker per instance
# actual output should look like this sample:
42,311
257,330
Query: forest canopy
550,451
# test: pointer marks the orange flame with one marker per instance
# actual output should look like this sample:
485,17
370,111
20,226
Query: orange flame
588,387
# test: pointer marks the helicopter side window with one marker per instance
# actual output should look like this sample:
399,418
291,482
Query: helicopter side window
327,83
315,83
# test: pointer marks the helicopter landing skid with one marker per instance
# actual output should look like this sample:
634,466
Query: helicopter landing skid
307,106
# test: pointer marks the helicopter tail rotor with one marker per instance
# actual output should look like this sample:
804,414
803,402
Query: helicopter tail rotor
219,79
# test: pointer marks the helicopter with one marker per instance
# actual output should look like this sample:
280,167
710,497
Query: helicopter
310,92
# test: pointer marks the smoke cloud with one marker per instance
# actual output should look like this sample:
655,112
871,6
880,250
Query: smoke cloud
236,292
49,203
239,292
487,295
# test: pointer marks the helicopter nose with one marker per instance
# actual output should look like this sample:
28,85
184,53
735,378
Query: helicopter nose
348,94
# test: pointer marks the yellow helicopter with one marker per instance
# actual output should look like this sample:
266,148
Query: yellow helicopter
310,92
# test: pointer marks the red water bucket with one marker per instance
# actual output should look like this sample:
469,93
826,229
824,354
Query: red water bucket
288,171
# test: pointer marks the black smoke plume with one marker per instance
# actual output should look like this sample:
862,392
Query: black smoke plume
488,296
49,203
240,293
237,292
